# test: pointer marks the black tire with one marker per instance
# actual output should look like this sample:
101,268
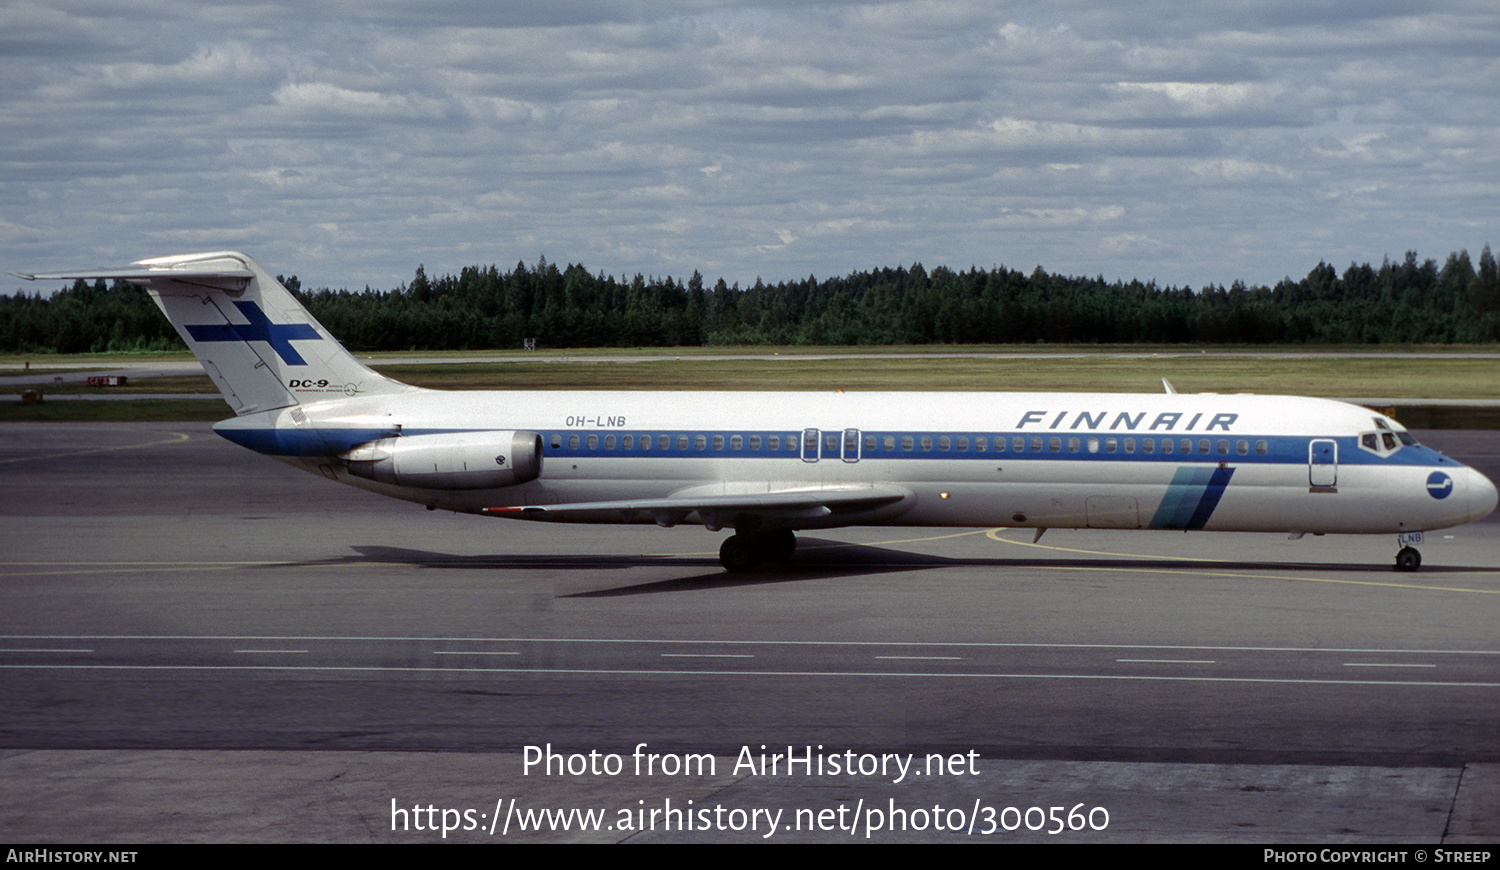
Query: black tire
739,553
1408,559
778,546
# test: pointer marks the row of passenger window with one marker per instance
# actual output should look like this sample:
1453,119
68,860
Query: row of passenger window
887,444
1074,444
682,442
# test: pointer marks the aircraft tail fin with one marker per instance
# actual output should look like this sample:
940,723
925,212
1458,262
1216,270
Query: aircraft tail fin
262,349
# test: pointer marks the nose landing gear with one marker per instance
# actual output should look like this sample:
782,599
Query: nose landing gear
1408,559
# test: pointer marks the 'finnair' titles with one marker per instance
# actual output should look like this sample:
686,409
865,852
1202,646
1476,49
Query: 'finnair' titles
768,464
1164,421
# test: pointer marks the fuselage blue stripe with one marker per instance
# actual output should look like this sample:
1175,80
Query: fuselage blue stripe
1218,480
1278,450
719,444
1177,504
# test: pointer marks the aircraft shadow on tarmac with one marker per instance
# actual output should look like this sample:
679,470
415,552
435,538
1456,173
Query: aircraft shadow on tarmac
815,562
821,560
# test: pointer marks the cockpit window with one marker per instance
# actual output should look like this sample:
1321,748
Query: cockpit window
1387,438
1401,435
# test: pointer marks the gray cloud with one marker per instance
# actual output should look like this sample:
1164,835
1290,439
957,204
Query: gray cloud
348,142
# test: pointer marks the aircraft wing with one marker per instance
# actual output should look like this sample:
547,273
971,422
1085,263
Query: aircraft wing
721,509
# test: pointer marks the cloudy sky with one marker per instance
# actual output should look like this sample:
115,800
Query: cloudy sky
347,142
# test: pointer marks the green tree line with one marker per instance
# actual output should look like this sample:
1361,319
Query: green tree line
482,307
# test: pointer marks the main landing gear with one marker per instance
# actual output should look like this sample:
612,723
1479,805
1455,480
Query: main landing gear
743,551
1408,559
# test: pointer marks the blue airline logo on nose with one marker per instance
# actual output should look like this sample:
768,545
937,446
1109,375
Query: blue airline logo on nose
260,328
1439,485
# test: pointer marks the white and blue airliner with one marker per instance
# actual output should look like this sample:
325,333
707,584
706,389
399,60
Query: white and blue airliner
767,464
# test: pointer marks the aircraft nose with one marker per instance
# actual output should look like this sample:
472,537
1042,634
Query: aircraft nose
1481,496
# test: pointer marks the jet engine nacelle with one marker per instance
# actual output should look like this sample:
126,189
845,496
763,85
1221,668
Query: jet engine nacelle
458,460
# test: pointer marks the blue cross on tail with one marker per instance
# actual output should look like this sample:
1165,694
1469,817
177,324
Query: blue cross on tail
260,328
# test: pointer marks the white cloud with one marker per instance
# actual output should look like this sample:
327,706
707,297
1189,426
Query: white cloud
323,100
1208,99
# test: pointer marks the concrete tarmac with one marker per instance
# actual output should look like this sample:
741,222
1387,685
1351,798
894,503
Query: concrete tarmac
202,644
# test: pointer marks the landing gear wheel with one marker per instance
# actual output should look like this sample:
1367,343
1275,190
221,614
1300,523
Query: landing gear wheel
739,553
1408,559
778,545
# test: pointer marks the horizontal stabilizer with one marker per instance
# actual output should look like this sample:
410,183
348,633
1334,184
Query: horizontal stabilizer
141,272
